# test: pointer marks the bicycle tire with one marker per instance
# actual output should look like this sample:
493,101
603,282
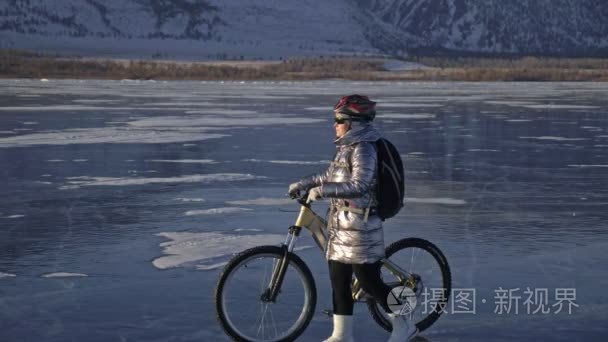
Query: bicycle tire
259,252
378,313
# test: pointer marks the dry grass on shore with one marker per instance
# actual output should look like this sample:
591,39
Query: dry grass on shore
514,69
508,75
513,63
21,64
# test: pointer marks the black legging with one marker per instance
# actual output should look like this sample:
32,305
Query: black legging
341,275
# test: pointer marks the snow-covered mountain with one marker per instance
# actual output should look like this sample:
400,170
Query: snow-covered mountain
522,26
274,29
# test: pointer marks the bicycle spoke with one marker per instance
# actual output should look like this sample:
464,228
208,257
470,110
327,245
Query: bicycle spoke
410,269
274,323
247,317
262,322
262,281
417,255
258,319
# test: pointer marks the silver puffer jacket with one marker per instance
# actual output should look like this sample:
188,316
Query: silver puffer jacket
350,181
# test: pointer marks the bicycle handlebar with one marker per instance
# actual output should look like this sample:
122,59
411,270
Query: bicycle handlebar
302,198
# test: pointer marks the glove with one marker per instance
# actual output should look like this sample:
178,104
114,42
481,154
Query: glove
294,189
315,194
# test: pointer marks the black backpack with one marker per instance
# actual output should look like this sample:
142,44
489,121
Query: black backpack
390,182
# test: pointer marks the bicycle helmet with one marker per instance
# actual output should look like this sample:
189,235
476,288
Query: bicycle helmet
356,107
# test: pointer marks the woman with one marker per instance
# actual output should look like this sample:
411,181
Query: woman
355,235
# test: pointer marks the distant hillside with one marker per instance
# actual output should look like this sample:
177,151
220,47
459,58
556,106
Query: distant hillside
271,29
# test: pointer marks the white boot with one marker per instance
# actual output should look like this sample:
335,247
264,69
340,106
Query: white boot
343,329
403,328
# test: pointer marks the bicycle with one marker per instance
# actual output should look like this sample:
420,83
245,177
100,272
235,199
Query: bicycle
284,286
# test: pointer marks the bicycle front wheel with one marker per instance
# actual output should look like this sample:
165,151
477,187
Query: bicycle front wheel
241,308
425,260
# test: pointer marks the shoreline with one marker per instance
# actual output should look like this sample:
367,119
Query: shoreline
26,65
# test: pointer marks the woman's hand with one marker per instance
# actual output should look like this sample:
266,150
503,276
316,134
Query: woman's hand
315,194
294,189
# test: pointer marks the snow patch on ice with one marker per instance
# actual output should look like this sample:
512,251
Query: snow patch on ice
260,120
556,106
260,97
209,267
187,103
58,108
185,161
586,166
215,211
82,108
76,182
248,230
518,120
185,248
554,138
320,109
89,101
406,116
481,150
512,103
13,216
408,105
108,135
6,275
186,199
296,162
263,201
63,275
220,111
438,200
216,265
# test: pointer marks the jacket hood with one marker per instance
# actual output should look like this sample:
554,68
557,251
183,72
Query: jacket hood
360,131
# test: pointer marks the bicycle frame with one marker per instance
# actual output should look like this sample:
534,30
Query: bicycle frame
317,226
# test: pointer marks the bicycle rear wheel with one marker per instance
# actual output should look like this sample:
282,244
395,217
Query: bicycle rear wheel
422,258
242,312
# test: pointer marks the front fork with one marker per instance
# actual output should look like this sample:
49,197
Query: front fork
279,267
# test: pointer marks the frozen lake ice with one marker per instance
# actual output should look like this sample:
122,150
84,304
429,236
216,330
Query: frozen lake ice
122,200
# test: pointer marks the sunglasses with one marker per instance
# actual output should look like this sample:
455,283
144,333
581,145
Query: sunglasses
340,121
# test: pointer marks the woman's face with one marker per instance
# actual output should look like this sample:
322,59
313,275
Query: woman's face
341,128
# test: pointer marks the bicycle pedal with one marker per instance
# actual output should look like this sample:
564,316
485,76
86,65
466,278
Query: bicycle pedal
328,313
361,296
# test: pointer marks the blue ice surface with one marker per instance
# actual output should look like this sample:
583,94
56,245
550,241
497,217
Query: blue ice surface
508,179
